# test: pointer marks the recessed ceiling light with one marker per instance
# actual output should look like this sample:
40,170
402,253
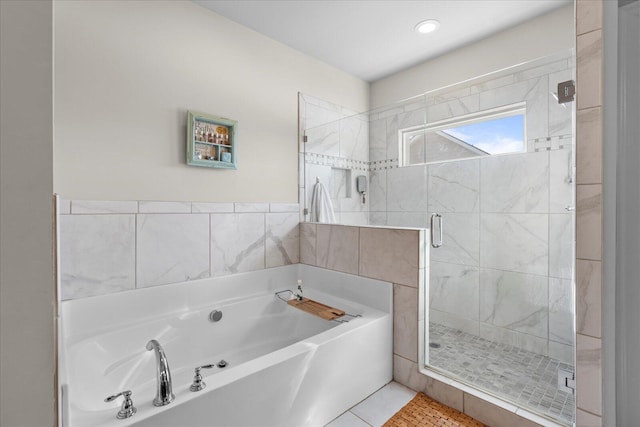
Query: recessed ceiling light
428,26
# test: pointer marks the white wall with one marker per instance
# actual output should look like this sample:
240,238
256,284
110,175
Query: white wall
27,392
540,37
127,72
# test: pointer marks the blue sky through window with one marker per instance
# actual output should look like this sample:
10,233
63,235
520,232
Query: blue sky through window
497,136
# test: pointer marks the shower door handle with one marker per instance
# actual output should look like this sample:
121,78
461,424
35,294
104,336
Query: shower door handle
436,218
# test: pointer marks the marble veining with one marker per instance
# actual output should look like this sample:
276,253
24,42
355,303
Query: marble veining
337,247
237,243
561,180
515,301
308,243
454,289
97,254
589,221
518,203
398,122
516,243
589,68
452,95
589,297
460,239
339,185
589,373
515,183
536,94
378,190
560,311
377,140
589,151
110,252
354,138
391,255
560,245
454,186
336,151
282,239
455,107
405,322
323,139
402,197
588,16
171,248
319,112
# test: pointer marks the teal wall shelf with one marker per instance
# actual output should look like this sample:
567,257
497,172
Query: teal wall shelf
211,141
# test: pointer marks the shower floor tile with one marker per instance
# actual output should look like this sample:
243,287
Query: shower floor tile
521,376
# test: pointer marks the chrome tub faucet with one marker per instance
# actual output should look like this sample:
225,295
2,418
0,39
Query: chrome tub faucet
164,395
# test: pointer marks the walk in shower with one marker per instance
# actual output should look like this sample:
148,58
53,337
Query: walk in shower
487,165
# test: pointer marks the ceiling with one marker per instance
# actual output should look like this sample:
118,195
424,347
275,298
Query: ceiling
372,39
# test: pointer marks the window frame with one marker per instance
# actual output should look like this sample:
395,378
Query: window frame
510,110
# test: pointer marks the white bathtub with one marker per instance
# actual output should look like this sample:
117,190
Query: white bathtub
285,367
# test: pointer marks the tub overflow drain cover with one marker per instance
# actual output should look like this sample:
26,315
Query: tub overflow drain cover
222,364
215,315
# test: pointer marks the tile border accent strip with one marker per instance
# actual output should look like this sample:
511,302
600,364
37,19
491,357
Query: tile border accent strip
94,207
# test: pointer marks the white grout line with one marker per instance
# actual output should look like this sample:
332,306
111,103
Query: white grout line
359,418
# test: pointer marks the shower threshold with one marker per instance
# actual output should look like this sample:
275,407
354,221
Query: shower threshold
521,376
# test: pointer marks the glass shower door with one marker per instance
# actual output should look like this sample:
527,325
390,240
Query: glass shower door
500,293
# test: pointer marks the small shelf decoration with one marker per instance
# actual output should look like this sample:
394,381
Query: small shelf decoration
211,141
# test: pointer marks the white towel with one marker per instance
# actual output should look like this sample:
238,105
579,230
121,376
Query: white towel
321,206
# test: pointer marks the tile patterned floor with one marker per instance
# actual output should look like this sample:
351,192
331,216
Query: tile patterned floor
519,375
376,409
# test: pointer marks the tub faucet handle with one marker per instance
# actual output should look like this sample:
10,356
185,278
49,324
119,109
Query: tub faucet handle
127,410
198,384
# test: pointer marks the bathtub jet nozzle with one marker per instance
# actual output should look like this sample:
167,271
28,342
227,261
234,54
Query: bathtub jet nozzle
164,394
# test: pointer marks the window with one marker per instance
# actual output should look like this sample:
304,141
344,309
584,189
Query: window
487,133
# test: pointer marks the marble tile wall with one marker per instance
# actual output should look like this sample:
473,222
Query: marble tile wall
507,254
589,213
112,246
392,255
336,152
588,286
589,218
